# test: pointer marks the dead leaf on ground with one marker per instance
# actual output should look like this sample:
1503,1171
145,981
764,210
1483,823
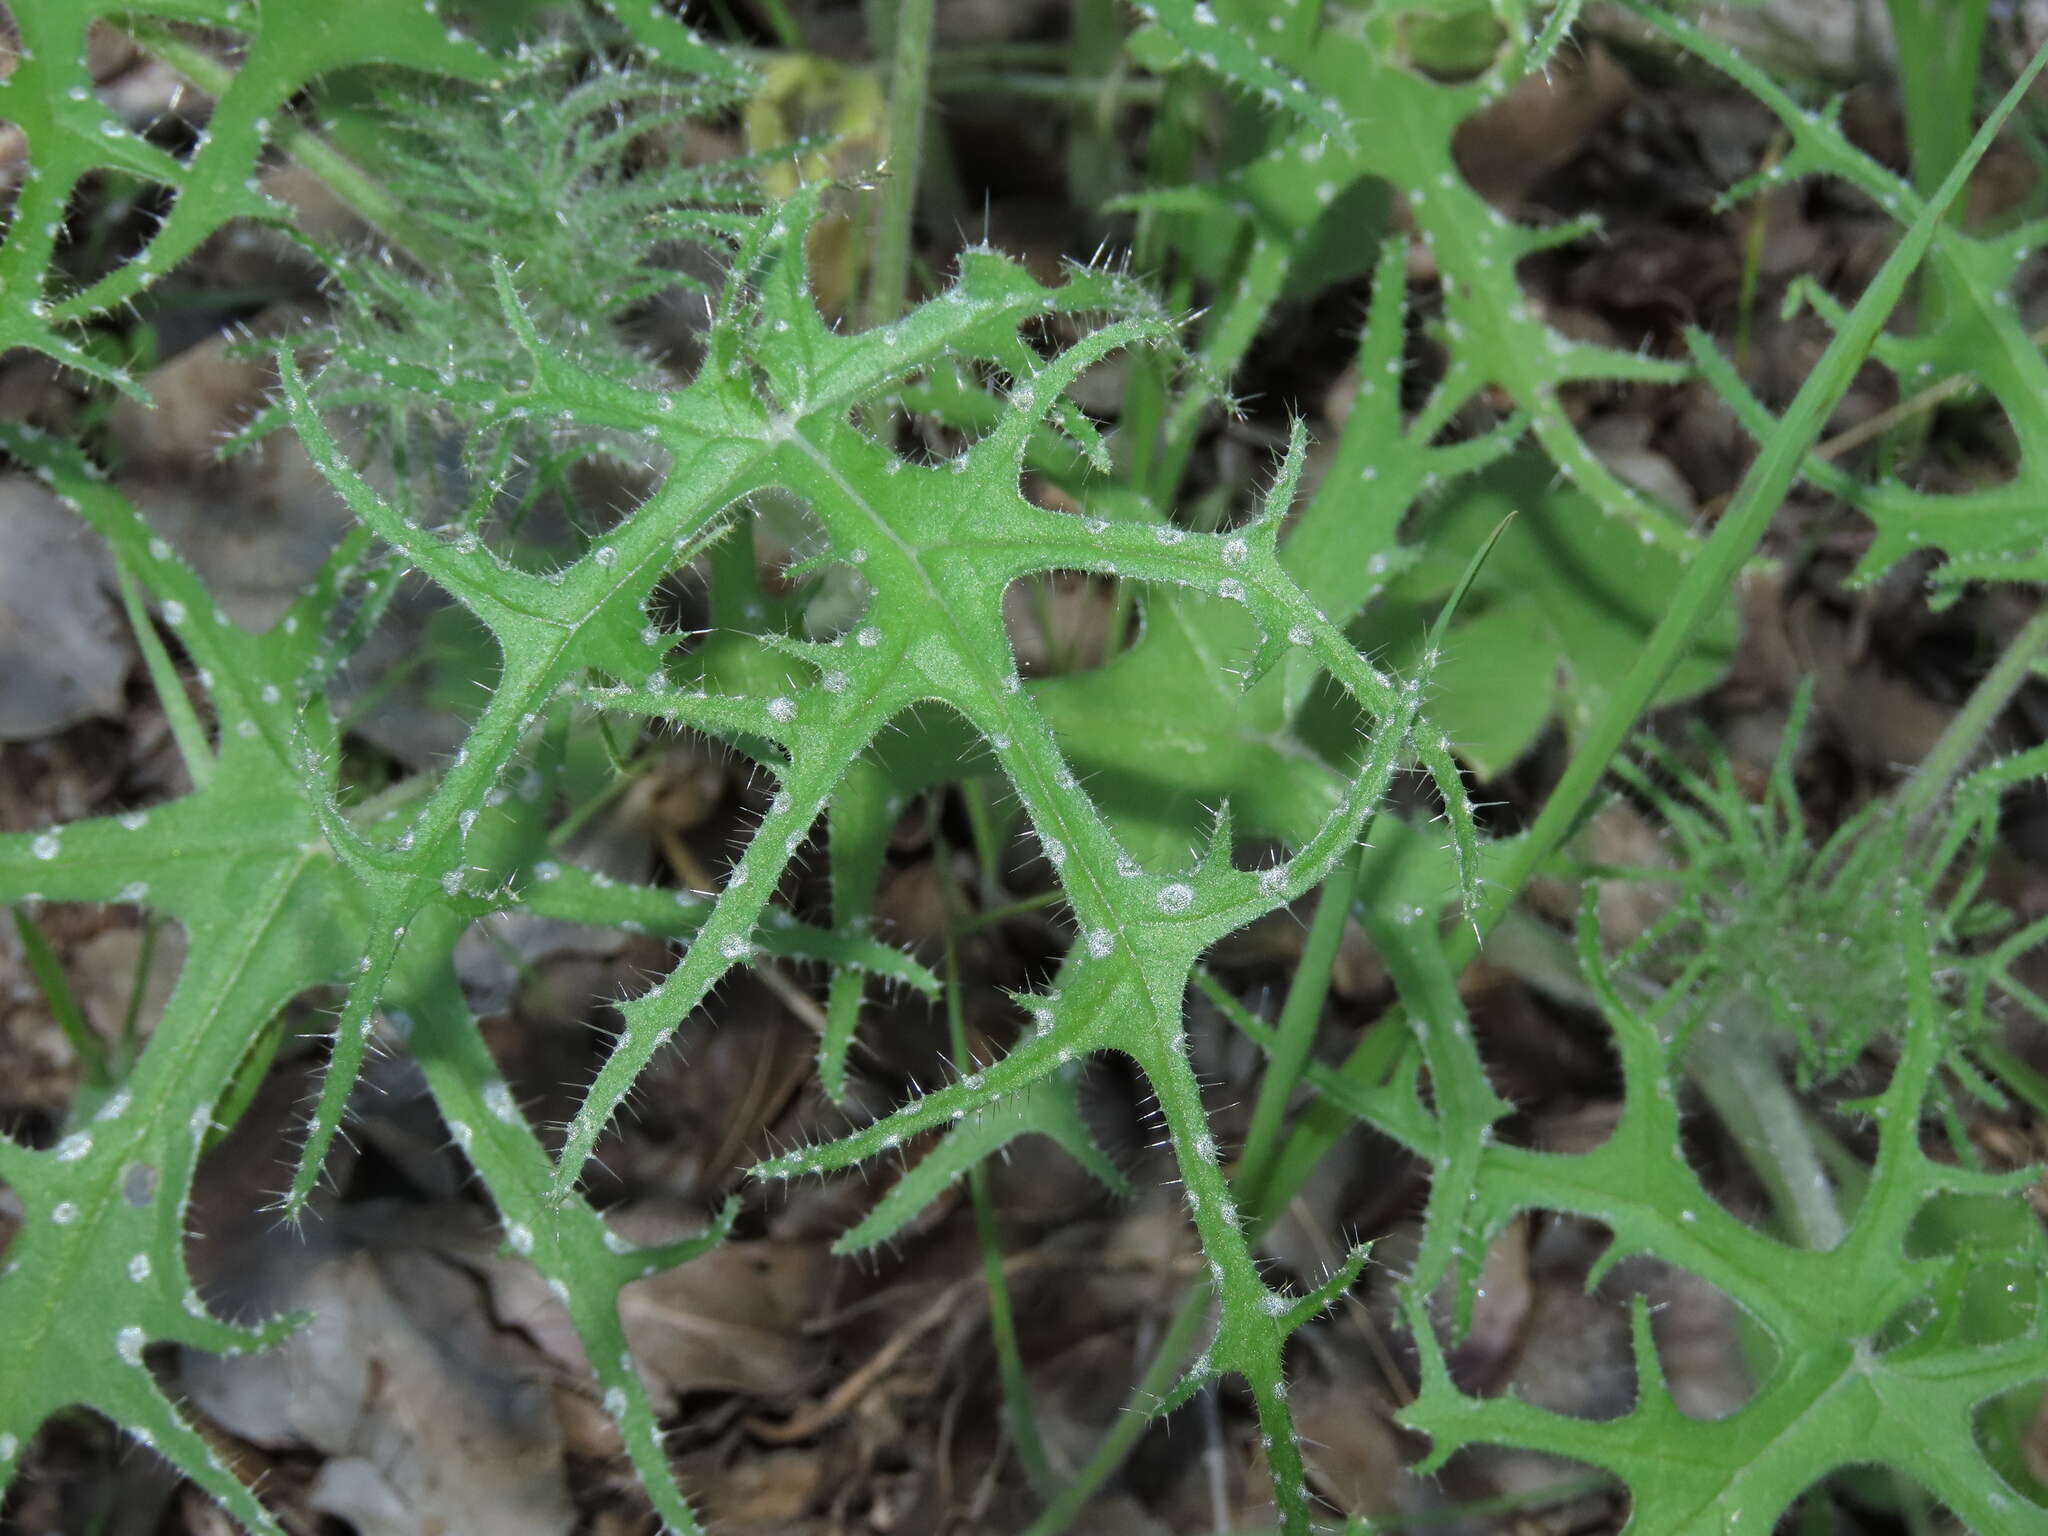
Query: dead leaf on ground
433,1419
1542,121
104,970
1078,1394
730,1321
1880,719
1354,1454
64,651
764,1489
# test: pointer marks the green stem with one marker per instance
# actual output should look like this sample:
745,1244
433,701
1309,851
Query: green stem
1939,46
2019,1079
1115,90
94,1069
1170,156
1938,770
1002,1316
1002,1324
1130,1425
1045,56
1752,262
1296,1032
909,76
1024,906
988,857
783,25
179,715
138,990
1737,1071
1095,74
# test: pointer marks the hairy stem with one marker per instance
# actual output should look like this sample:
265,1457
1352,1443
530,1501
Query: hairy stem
1737,1070
909,74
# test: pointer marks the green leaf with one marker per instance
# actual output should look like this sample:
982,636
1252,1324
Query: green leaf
1841,1390
1991,532
71,135
1048,1108
1553,621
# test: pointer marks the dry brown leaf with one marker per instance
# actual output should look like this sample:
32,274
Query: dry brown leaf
730,1321
765,1488
1354,1454
434,1420
1542,121
103,971
64,651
